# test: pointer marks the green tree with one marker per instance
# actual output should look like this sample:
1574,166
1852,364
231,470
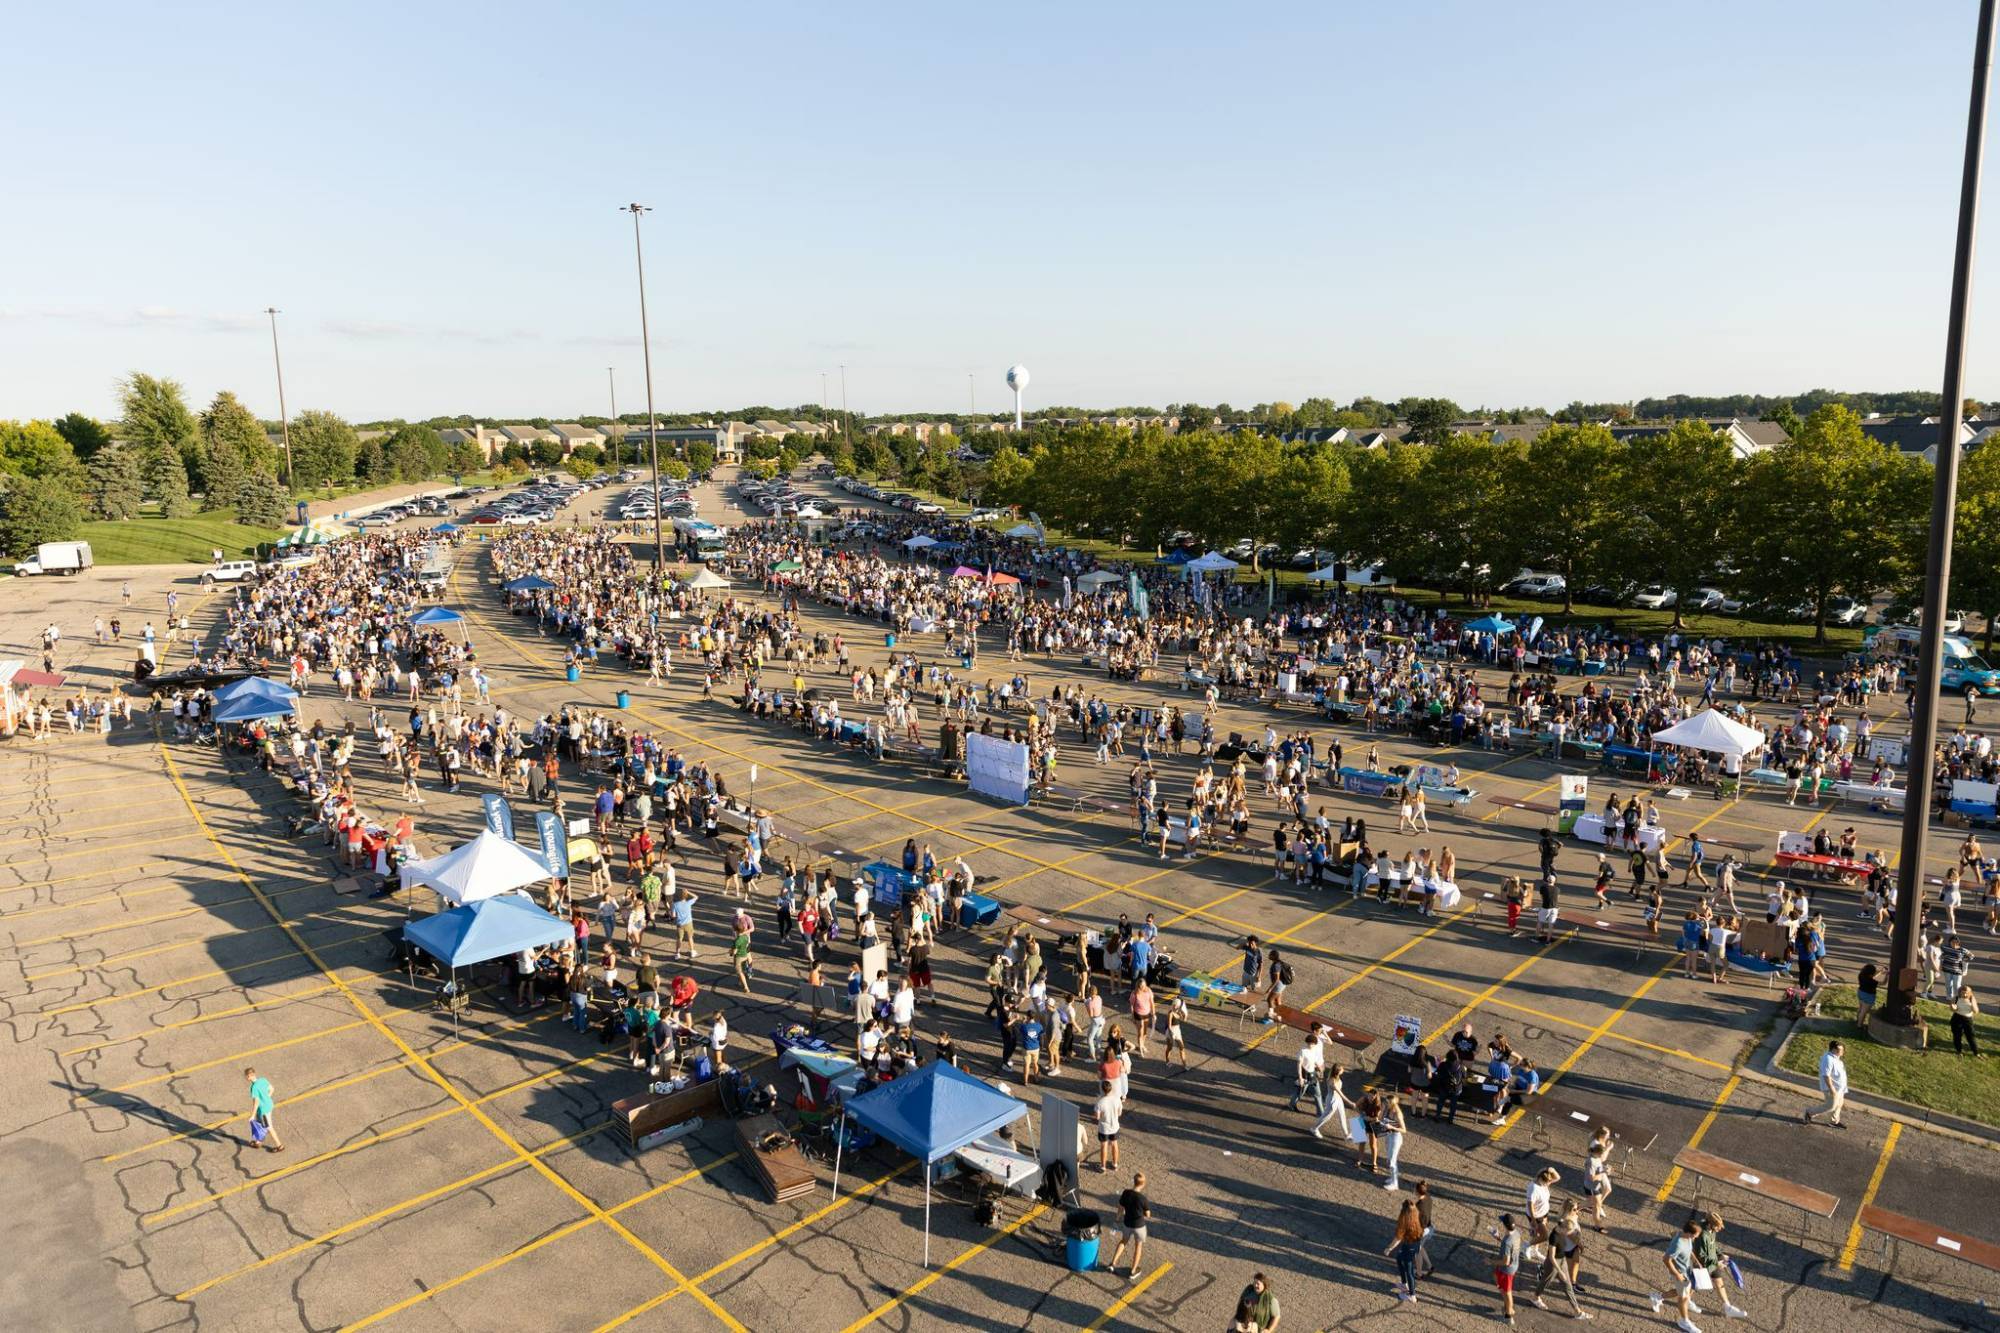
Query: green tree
167,481
764,468
462,457
675,468
37,449
323,450
545,453
1679,496
372,464
513,453
1831,511
157,417
1460,512
1429,418
1975,559
701,456
222,472
36,510
226,420
117,485
417,453
260,501
1563,502
85,434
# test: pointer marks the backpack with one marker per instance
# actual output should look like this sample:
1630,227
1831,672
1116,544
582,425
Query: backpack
1285,973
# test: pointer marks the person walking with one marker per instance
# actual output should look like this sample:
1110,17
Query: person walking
1309,1076
263,1103
1393,1129
1336,1107
1833,1083
740,959
1135,1212
1597,1176
1561,1259
1107,1110
1708,1255
1403,1247
1680,1262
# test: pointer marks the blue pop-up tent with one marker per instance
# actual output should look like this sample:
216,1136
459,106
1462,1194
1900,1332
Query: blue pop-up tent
254,707
258,687
930,1114
528,583
436,615
478,932
1490,625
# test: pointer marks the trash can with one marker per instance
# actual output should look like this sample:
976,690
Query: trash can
624,699
965,660
1080,1235
888,640
572,674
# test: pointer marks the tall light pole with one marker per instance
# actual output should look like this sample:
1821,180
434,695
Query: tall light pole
652,421
611,374
971,394
1901,1010
846,423
284,418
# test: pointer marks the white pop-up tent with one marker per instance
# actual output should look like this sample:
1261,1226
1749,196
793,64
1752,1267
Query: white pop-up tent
1714,732
1023,530
1097,578
705,578
487,866
1212,563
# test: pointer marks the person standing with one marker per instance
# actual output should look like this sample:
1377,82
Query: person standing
1403,1247
262,1106
1135,1213
1107,1111
1833,1083
1507,1263
1261,1303
1393,1129
1954,961
1336,1107
1964,1008
1562,1258
1597,1175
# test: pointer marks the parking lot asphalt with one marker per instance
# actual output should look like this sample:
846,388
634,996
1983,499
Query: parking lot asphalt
159,932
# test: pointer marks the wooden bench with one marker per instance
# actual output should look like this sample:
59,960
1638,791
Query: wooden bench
1618,930
1253,1006
1509,803
1895,1226
1058,926
1632,1138
1814,1203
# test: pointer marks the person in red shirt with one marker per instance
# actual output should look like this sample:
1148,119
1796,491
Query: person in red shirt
638,854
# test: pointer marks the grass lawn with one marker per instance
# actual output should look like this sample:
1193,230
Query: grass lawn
1956,1084
150,540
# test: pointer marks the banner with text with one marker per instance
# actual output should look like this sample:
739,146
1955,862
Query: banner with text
555,843
499,815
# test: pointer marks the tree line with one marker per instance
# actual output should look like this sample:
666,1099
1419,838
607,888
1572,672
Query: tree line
1831,512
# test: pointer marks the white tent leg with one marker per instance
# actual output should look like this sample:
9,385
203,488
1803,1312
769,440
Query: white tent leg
927,1214
839,1142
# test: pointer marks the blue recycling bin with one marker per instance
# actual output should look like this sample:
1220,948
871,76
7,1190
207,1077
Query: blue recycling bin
624,699
1081,1253
572,675
888,641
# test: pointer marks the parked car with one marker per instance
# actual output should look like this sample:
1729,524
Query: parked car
229,571
1656,597
1848,611
1607,594
1542,587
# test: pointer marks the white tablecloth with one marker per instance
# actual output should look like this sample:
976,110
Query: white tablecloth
1864,791
1590,828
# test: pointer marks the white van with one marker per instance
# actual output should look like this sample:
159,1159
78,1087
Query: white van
229,571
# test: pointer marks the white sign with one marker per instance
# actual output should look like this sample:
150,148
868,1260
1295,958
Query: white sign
1409,1032
997,768
1891,750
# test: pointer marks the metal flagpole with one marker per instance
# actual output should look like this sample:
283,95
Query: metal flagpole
1901,1010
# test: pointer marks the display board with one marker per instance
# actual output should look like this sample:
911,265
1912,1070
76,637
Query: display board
997,768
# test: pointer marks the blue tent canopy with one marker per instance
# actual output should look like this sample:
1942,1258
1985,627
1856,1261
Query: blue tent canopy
255,687
445,527
253,707
1491,625
436,615
528,583
934,1111
1174,557
490,928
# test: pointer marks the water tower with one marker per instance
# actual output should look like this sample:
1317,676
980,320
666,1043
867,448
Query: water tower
1017,380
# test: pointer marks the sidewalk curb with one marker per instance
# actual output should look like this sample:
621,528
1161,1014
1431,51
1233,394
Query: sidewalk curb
1762,1065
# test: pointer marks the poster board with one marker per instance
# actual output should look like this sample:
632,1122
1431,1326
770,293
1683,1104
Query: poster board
1408,1036
997,768
1891,750
1573,792
1062,1132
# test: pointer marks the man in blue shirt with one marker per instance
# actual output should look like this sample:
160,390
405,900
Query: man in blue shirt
1142,958
262,1103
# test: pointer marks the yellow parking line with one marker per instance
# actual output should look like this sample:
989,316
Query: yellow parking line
1666,1190
1853,1244
1596,1034
120,996
1130,1294
1367,971
937,1274
67,832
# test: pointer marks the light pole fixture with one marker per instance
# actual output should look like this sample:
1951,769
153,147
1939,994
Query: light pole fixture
1901,1010
652,421
611,374
284,418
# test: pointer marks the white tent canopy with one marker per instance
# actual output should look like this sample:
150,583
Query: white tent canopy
707,578
487,866
1212,563
1023,530
1327,574
920,542
1714,732
1096,579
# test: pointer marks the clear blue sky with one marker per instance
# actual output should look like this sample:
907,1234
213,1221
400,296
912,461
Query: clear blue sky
1508,204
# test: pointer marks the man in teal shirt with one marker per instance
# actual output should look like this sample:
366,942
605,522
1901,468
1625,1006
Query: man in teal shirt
262,1103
